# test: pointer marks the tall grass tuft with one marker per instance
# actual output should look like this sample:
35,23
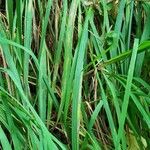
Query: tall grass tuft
74,74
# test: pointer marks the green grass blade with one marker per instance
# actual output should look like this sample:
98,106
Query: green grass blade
4,141
76,102
27,42
127,91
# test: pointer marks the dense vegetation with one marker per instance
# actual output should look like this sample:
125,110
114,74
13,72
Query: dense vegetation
74,74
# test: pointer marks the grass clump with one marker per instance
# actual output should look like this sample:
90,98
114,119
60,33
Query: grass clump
72,74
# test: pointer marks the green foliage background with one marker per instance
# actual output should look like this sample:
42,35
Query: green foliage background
74,74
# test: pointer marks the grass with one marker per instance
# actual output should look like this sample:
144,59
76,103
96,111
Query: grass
74,75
